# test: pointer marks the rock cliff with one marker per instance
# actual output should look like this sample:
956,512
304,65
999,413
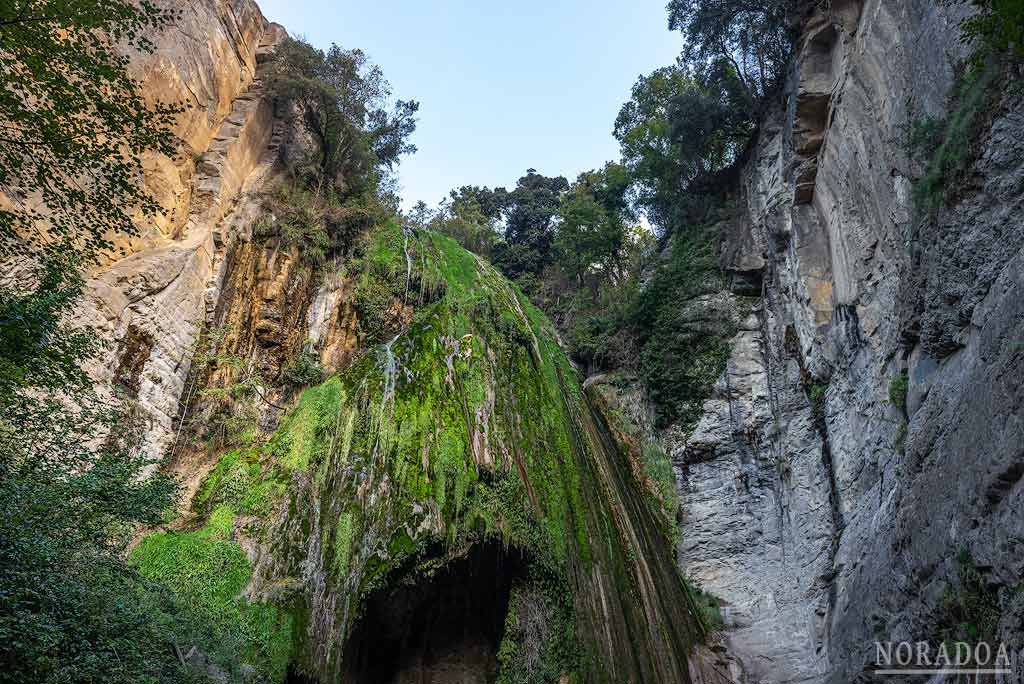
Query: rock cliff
823,508
151,305
443,490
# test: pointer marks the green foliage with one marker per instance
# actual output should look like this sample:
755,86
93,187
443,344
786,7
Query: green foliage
302,370
86,619
684,348
208,570
998,25
592,230
898,387
297,218
817,393
307,431
658,467
753,38
948,147
529,211
241,482
74,126
463,219
708,607
898,391
539,642
675,132
382,282
342,100
970,607
28,315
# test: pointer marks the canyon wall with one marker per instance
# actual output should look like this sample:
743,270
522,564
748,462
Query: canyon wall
823,509
447,496
150,304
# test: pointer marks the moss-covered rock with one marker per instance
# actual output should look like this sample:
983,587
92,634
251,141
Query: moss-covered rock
209,570
467,427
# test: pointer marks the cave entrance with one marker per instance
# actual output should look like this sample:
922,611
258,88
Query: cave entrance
444,629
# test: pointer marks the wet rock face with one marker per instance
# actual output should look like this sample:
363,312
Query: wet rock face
822,514
451,496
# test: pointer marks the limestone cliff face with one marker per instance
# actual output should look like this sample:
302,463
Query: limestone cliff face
821,515
151,304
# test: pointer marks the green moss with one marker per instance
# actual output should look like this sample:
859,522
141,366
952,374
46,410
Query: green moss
343,538
470,425
239,481
309,429
208,570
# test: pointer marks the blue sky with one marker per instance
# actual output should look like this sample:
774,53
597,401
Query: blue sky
503,86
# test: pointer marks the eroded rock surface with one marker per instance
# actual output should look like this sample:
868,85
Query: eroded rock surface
809,506
167,287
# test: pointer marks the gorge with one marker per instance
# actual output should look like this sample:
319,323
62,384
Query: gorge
396,466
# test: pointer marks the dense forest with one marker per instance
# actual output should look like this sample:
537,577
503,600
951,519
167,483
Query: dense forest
607,256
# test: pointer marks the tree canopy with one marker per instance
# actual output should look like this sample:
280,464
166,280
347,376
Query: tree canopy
753,36
530,211
343,98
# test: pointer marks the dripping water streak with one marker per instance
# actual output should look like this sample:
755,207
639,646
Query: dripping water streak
408,264
390,373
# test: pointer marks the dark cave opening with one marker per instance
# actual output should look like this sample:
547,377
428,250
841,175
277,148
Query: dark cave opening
443,629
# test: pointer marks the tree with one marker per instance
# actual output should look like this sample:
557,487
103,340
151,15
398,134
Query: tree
529,212
652,154
342,99
490,202
420,215
753,36
461,218
592,230
680,127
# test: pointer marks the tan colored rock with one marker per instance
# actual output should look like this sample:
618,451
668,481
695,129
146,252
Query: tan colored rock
167,287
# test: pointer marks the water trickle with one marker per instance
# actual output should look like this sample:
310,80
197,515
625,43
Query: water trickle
408,262
390,368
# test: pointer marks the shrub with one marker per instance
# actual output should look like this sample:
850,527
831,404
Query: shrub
302,370
708,608
947,146
898,387
817,394
970,607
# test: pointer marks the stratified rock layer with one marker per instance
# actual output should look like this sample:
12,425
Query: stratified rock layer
819,516
154,302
